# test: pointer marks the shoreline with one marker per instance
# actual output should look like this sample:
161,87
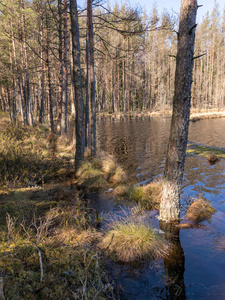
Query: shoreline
194,116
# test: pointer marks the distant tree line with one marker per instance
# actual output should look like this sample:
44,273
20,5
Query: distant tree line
127,62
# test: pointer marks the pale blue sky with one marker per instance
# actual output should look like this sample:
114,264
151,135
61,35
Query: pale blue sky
170,5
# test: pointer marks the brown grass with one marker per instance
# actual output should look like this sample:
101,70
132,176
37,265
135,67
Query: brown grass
213,158
200,210
100,172
121,190
119,176
130,240
148,196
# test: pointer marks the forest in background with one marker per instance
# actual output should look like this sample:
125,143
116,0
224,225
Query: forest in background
135,59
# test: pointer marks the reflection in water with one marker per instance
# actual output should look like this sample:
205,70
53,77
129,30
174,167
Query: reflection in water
140,146
174,263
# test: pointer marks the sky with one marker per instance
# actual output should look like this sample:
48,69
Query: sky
174,5
171,5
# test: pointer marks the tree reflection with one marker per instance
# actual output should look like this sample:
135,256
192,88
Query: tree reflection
175,262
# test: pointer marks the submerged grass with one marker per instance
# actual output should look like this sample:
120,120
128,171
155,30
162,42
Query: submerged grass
130,240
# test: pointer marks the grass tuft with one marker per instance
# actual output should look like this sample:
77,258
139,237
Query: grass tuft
213,158
129,241
200,210
148,196
100,172
121,190
119,176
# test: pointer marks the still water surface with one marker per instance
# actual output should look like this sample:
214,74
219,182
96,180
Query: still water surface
199,260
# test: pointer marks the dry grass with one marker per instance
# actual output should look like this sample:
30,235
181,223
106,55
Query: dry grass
108,165
200,210
50,254
148,196
119,176
100,172
121,190
129,241
213,158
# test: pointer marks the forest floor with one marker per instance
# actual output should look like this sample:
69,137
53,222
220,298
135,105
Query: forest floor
48,232
49,237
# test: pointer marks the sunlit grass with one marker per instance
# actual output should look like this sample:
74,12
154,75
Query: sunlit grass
29,156
100,172
122,190
55,222
200,210
130,240
204,151
148,196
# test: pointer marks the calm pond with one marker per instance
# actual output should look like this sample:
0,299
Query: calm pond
197,266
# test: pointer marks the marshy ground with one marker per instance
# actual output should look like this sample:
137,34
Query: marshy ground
51,245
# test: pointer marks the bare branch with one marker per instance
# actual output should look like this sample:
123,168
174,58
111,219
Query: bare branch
193,27
199,56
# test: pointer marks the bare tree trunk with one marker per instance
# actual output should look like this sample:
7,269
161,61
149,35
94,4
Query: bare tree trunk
65,73
13,97
174,169
50,105
80,134
61,68
28,100
92,78
87,108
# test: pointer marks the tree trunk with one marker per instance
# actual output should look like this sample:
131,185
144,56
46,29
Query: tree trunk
92,77
174,169
28,100
87,108
61,68
65,74
79,122
50,103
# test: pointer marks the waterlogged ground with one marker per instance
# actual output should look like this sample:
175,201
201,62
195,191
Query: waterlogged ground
196,268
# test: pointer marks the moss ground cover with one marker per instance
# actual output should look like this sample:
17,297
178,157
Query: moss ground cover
204,151
47,231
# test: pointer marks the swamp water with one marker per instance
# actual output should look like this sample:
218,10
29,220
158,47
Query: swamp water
196,268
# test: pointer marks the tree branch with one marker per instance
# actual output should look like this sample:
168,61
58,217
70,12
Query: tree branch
199,56
193,27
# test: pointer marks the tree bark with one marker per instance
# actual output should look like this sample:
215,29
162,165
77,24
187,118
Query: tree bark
79,121
28,102
50,103
42,113
65,74
92,77
61,68
174,169
87,108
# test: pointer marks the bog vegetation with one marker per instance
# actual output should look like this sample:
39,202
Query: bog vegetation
50,241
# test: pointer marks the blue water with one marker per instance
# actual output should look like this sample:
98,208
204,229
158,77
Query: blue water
140,146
